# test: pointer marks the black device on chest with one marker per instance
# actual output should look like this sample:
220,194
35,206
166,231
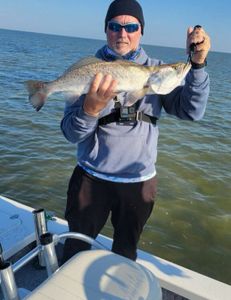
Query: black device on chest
126,115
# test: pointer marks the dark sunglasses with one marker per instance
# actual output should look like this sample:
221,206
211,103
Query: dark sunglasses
129,27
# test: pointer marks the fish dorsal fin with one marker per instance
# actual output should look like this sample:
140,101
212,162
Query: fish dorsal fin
127,63
83,62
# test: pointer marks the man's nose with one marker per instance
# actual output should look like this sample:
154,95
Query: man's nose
123,32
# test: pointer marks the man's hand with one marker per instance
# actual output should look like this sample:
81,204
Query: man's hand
201,40
101,91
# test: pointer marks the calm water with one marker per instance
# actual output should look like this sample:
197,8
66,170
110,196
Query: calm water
191,223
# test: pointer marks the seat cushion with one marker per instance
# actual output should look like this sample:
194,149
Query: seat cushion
99,274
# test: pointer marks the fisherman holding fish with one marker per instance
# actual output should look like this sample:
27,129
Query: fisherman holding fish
114,123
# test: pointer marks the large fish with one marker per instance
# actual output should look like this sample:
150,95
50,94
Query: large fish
137,80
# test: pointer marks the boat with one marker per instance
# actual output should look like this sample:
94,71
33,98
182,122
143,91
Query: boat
31,246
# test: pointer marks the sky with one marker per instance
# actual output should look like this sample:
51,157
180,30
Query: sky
166,20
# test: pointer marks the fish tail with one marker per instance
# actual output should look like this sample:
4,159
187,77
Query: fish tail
37,93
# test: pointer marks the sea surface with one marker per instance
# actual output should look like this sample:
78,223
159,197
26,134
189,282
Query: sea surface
191,222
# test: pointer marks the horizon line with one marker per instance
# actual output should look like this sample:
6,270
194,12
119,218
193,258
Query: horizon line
97,39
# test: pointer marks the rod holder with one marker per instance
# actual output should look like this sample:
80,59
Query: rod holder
40,229
7,280
49,253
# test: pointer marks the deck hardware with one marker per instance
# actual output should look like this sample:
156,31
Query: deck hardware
7,279
49,253
40,228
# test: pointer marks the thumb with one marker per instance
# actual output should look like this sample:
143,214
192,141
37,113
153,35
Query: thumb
190,30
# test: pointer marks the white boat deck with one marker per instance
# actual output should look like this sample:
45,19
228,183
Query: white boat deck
17,231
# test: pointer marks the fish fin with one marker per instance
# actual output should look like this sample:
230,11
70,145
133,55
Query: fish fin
37,93
83,62
132,97
162,87
70,97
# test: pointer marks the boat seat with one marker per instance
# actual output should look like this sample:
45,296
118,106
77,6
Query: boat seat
99,275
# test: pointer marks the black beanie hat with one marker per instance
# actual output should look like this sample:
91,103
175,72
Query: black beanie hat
125,7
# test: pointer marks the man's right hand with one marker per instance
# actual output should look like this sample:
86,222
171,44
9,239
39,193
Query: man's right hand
101,91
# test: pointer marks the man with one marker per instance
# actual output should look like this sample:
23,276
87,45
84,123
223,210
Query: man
116,157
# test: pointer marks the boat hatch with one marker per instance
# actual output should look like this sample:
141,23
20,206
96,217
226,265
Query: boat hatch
15,231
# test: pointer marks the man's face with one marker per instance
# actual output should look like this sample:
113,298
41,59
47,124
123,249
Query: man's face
123,42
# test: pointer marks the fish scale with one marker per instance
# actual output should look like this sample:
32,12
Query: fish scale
134,79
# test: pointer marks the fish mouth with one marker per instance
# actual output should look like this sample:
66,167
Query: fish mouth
181,67
186,67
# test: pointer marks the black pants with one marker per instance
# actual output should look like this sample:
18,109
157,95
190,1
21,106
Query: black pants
90,201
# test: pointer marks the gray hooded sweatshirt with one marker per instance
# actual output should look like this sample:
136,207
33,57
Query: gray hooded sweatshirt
128,153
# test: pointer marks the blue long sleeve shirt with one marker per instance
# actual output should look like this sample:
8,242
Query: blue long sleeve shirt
128,153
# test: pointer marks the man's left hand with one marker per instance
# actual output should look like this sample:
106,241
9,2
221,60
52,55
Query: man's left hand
201,40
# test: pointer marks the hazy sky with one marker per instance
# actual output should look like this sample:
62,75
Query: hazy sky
166,20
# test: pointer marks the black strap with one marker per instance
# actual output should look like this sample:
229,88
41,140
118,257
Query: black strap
149,119
198,66
115,117
112,117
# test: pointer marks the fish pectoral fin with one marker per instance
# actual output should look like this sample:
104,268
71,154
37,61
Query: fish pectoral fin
162,89
132,97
